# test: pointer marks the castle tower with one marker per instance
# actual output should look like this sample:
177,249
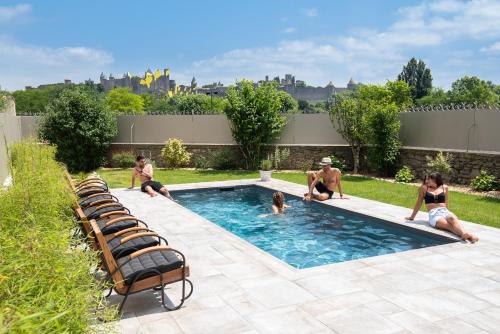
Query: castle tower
351,84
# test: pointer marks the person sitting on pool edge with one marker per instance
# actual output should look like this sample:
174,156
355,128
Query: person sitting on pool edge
144,172
279,203
435,194
331,180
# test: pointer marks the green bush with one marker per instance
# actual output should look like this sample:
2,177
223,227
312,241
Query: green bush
266,165
223,160
46,281
404,175
441,163
256,118
338,162
200,162
484,182
123,159
81,127
174,154
279,156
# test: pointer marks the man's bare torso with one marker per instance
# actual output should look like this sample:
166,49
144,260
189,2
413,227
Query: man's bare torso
138,172
330,177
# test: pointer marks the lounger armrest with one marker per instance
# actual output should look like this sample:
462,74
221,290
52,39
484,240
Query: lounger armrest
149,250
119,219
130,230
118,212
101,201
138,235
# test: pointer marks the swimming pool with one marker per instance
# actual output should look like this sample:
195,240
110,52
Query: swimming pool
308,234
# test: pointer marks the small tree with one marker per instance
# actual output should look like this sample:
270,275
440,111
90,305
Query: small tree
350,119
384,136
255,116
81,127
122,101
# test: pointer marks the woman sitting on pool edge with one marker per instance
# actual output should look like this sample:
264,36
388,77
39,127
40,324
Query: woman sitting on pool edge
435,195
279,203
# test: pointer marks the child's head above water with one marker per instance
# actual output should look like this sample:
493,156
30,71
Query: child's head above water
279,199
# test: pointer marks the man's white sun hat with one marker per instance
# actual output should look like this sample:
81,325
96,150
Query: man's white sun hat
325,161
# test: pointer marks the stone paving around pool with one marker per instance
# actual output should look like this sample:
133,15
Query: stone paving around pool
238,288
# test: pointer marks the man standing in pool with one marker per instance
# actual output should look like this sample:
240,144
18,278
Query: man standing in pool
331,180
144,172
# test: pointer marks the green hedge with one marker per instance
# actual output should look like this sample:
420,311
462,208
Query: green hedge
46,275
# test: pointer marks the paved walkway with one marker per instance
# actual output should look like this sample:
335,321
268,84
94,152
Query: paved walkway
453,288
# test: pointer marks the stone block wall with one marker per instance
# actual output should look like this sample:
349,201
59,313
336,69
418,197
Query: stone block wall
301,157
465,165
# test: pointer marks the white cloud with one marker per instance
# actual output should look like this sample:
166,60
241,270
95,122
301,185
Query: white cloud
23,64
10,13
289,30
493,48
370,55
311,12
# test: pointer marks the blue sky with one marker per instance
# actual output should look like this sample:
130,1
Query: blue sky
318,41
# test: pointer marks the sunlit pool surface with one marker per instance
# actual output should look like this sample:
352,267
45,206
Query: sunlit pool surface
308,234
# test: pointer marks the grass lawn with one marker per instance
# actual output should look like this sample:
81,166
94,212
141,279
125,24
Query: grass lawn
473,208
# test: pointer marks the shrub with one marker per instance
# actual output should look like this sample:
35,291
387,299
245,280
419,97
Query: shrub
484,182
123,159
306,165
405,175
81,127
223,159
441,163
174,154
266,165
338,162
200,162
279,156
256,118
46,285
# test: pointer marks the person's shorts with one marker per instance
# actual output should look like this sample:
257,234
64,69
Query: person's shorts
155,185
322,189
437,213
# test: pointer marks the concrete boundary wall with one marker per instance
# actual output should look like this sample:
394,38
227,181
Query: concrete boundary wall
10,132
461,131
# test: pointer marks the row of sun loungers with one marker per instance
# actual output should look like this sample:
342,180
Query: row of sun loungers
134,257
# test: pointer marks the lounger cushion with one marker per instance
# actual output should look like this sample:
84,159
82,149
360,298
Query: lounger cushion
90,191
84,202
163,261
130,246
93,213
116,227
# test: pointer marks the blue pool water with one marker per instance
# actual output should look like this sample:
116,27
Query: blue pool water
308,234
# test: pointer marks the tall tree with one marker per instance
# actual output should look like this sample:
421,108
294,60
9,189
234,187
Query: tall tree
472,90
418,77
350,118
255,116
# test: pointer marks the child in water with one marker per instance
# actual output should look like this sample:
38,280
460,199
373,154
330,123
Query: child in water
279,203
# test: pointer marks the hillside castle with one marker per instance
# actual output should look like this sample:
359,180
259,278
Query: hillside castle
160,82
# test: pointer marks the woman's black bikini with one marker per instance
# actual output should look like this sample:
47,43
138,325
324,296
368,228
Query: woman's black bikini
431,198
